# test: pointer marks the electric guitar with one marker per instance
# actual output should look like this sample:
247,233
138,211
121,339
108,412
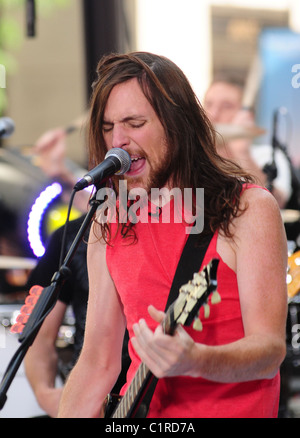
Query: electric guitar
184,310
293,275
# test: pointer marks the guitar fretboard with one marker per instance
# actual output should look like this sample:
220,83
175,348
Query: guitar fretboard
140,380
183,311
128,401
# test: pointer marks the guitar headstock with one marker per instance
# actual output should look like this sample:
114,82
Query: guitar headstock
193,295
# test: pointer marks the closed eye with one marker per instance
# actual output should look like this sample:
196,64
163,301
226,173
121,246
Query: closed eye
130,123
135,124
106,127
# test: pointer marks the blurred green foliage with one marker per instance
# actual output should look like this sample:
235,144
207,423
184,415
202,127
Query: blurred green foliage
12,35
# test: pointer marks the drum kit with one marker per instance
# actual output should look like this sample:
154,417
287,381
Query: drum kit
293,316
291,220
228,132
289,216
21,401
10,262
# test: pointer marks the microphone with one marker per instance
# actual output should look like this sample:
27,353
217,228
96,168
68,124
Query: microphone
116,162
30,17
7,127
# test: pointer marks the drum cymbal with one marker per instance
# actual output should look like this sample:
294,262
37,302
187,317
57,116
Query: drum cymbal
233,132
290,216
8,262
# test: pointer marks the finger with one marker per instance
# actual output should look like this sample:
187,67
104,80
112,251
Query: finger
145,341
141,342
142,333
180,331
155,314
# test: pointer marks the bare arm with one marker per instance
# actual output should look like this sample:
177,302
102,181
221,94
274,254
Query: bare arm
41,362
99,363
259,259
50,154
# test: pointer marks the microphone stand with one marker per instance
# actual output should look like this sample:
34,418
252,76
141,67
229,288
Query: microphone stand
270,169
44,305
30,18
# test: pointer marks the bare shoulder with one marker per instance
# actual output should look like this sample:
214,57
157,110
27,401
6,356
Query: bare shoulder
258,198
260,223
257,230
260,210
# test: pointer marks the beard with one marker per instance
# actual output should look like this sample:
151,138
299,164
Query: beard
159,175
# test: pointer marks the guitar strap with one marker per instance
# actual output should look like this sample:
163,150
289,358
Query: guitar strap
190,262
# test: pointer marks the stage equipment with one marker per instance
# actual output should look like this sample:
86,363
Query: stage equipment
22,402
228,132
7,127
45,301
33,198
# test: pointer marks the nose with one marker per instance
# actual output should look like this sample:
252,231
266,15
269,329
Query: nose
119,136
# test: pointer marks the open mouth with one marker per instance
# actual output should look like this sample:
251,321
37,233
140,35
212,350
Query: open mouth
137,165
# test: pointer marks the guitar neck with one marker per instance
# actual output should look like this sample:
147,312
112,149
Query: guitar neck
140,383
134,394
183,311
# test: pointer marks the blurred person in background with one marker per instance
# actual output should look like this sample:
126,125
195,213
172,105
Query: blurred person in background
223,105
42,362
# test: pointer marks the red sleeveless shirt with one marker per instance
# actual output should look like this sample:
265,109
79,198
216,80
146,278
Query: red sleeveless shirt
143,274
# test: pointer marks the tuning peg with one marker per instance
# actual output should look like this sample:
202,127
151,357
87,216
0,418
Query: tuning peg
197,279
215,298
197,324
186,288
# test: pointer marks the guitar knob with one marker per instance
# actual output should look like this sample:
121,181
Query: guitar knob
216,297
206,310
197,325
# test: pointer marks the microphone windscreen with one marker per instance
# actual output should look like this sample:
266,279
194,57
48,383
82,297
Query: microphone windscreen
123,157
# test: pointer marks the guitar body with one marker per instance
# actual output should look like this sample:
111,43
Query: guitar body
184,311
133,405
110,404
293,274
113,400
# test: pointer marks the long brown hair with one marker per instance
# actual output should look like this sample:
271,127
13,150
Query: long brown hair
194,162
